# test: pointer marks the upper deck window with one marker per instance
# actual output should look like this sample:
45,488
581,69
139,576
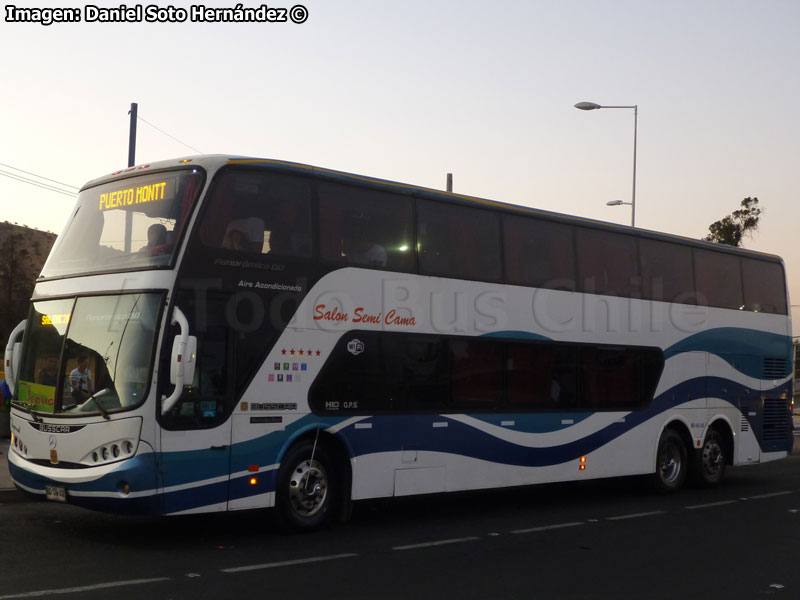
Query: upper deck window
366,227
539,253
126,224
719,279
258,212
458,241
607,263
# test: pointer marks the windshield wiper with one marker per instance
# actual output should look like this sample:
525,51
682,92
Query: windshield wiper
28,409
103,411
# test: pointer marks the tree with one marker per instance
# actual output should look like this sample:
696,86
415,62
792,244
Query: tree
17,278
731,229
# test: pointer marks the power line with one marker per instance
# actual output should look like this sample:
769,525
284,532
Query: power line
169,136
40,177
37,184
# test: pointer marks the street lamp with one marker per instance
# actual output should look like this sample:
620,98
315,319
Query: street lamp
593,106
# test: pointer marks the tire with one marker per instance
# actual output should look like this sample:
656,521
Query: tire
671,462
307,489
709,462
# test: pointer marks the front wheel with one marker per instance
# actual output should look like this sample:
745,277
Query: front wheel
709,461
670,462
307,487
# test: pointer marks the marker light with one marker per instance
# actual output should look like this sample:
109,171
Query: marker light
144,166
253,480
582,466
253,468
185,160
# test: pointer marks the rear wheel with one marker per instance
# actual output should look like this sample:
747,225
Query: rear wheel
307,487
710,461
671,462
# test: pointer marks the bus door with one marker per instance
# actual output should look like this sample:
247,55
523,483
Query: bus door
195,467
195,444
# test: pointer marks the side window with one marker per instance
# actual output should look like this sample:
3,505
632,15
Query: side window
383,372
476,374
719,279
607,263
365,227
394,373
609,378
764,286
538,253
258,212
458,241
666,272
542,377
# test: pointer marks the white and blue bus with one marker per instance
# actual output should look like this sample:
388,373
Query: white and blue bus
220,333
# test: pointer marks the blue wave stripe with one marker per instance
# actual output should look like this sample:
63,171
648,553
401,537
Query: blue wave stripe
743,349
391,433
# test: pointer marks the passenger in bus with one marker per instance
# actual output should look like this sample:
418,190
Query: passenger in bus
49,372
156,235
246,235
157,239
81,380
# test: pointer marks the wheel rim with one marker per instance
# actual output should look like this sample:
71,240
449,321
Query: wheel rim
713,458
670,463
308,488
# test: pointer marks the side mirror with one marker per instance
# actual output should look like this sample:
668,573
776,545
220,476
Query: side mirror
12,356
182,363
183,359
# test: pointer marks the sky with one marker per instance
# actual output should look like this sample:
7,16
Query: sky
413,90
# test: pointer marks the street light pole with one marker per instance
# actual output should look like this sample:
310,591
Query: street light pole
635,107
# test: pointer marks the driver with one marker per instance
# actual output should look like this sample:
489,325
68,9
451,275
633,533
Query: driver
81,379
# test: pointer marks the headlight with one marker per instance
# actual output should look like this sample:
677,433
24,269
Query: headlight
110,452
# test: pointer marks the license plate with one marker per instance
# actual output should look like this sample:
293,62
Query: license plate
52,492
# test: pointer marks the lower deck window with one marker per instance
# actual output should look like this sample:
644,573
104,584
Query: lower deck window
394,372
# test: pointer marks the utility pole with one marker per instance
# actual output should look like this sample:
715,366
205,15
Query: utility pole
131,161
132,139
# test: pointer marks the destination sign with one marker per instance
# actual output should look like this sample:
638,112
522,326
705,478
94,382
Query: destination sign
56,319
140,194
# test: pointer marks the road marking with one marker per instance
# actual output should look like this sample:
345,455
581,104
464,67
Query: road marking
772,495
548,527
288,563
711,504
83,588
636,515
436,543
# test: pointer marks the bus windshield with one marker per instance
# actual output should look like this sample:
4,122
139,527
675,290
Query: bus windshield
131,223
88,355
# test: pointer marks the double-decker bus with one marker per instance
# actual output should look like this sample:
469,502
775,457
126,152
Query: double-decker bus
218,333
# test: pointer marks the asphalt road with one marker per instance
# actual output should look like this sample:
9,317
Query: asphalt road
607,539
